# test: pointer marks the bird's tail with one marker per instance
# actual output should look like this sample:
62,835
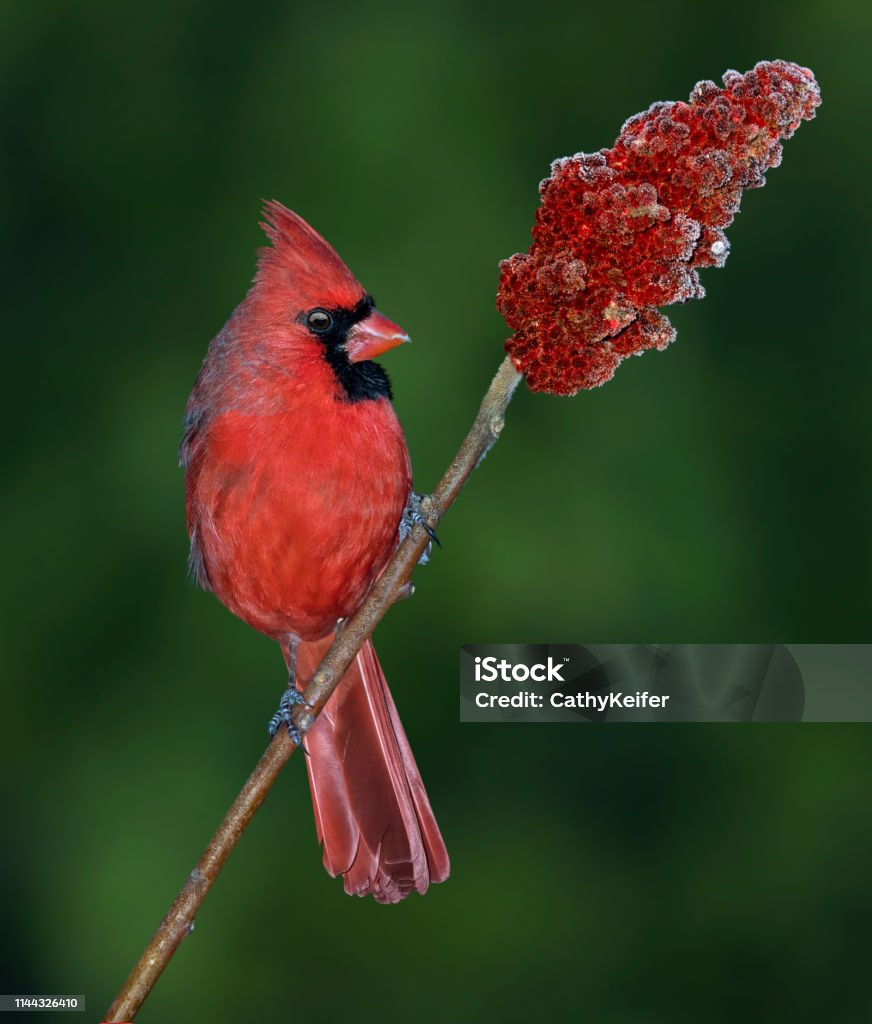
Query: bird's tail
371,810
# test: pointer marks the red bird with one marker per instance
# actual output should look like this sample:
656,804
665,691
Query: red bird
297,478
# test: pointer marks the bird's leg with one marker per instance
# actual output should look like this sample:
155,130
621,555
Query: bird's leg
413,516
290,697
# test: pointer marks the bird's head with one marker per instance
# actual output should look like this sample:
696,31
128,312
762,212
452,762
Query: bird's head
307,287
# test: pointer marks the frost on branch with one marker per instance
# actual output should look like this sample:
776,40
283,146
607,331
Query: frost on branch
625,230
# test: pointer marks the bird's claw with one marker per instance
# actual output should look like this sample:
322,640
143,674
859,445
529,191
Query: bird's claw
414,516
284,716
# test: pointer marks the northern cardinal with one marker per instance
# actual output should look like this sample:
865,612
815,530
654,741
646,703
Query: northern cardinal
297,477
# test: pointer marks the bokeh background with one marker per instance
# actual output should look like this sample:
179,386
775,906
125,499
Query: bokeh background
719,491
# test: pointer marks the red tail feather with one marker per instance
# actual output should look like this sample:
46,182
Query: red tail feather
371,810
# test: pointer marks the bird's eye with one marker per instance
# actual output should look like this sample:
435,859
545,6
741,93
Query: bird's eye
319,320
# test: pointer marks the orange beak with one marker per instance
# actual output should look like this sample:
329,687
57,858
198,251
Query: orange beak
372,337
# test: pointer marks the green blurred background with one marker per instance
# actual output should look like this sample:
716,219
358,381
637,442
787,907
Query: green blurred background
719,491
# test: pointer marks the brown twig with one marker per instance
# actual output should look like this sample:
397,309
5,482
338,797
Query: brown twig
389,587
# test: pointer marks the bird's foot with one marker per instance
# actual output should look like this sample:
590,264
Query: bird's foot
414,516
284,715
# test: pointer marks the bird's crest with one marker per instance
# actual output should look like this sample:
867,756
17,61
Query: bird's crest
300,259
